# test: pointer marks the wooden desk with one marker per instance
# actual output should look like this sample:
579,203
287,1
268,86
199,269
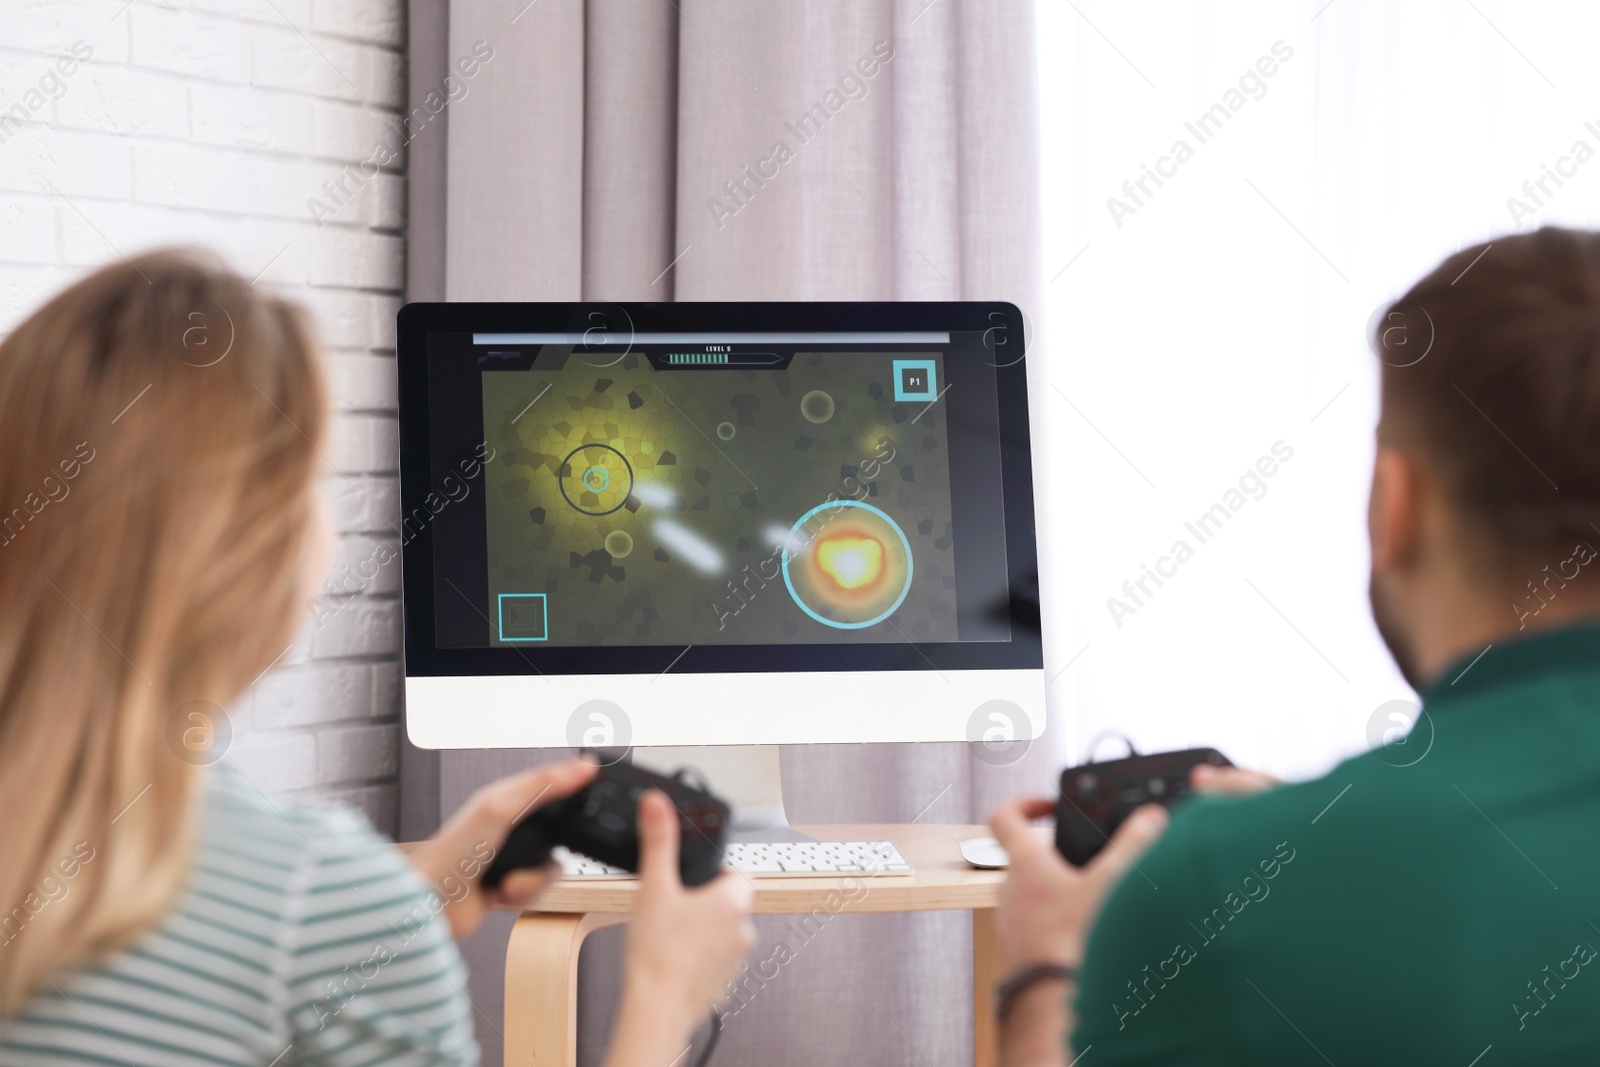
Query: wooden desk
541,995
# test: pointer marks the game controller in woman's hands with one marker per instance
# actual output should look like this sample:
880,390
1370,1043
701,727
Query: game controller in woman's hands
601,822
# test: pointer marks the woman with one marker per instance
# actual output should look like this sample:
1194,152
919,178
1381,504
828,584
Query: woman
162,425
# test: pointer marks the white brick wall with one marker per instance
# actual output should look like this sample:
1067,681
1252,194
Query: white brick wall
213,122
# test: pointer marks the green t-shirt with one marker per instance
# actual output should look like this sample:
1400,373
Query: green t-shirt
1429,902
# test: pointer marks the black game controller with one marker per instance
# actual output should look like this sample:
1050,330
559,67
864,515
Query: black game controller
1096,797
601,822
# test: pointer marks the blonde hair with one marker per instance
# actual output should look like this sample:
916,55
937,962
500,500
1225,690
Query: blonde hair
160,423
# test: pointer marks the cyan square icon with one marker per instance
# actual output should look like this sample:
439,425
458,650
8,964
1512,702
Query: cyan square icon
915,379
527,618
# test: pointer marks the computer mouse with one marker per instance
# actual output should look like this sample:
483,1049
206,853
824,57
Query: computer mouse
985,854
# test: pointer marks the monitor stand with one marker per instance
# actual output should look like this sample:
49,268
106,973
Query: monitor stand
748,777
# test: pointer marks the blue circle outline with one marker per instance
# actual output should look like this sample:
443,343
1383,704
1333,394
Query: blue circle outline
592,489
905,544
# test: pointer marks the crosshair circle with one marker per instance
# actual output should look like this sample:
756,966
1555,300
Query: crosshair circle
604,485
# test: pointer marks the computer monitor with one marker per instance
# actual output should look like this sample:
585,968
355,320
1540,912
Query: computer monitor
716,524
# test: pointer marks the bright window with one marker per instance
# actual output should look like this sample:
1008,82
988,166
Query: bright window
1207,302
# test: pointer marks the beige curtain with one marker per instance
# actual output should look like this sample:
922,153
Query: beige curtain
630,150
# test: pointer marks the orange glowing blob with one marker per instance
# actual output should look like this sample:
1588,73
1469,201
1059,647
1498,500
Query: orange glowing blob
851,567
851,561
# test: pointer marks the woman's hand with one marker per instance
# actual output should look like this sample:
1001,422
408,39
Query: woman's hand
684,946
453,860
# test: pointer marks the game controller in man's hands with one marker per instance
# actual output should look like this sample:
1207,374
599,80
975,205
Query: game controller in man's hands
1097,797
601,821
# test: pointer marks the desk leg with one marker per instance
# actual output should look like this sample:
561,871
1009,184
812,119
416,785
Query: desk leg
541,1008
985,973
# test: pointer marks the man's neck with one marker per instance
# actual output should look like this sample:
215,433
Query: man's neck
1472,629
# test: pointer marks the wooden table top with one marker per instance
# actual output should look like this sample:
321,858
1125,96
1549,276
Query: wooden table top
943,881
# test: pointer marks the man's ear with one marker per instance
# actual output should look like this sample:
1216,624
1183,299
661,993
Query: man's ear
1394,511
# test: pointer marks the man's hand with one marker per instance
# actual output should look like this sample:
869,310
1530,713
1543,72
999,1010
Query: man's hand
1229,781
453,859
684,946
1046,904
1045,911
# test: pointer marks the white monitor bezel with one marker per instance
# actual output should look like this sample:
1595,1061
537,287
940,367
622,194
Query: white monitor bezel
787,708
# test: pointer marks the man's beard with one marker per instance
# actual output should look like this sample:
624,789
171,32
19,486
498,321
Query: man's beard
1393,634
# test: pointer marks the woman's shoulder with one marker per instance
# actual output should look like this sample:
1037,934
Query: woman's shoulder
366,954
235,810
274,857
318,871
300,926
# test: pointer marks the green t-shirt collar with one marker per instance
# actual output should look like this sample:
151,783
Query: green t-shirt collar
1569,648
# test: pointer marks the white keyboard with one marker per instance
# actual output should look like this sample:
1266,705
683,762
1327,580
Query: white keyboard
575,865
793,859
787,859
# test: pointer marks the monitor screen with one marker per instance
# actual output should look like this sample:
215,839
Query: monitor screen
744,498
604,500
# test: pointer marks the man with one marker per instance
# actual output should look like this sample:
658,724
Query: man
1436,902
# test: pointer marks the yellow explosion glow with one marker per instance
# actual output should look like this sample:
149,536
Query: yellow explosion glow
855,567
852,562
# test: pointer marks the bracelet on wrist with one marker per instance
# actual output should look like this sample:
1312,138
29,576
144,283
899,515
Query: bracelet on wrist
1008,992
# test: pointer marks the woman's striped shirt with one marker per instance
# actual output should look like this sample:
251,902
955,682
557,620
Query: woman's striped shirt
303,938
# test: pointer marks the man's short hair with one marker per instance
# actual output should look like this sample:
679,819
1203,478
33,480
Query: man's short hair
1492,371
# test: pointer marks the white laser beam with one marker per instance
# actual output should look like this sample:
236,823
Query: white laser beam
690,547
